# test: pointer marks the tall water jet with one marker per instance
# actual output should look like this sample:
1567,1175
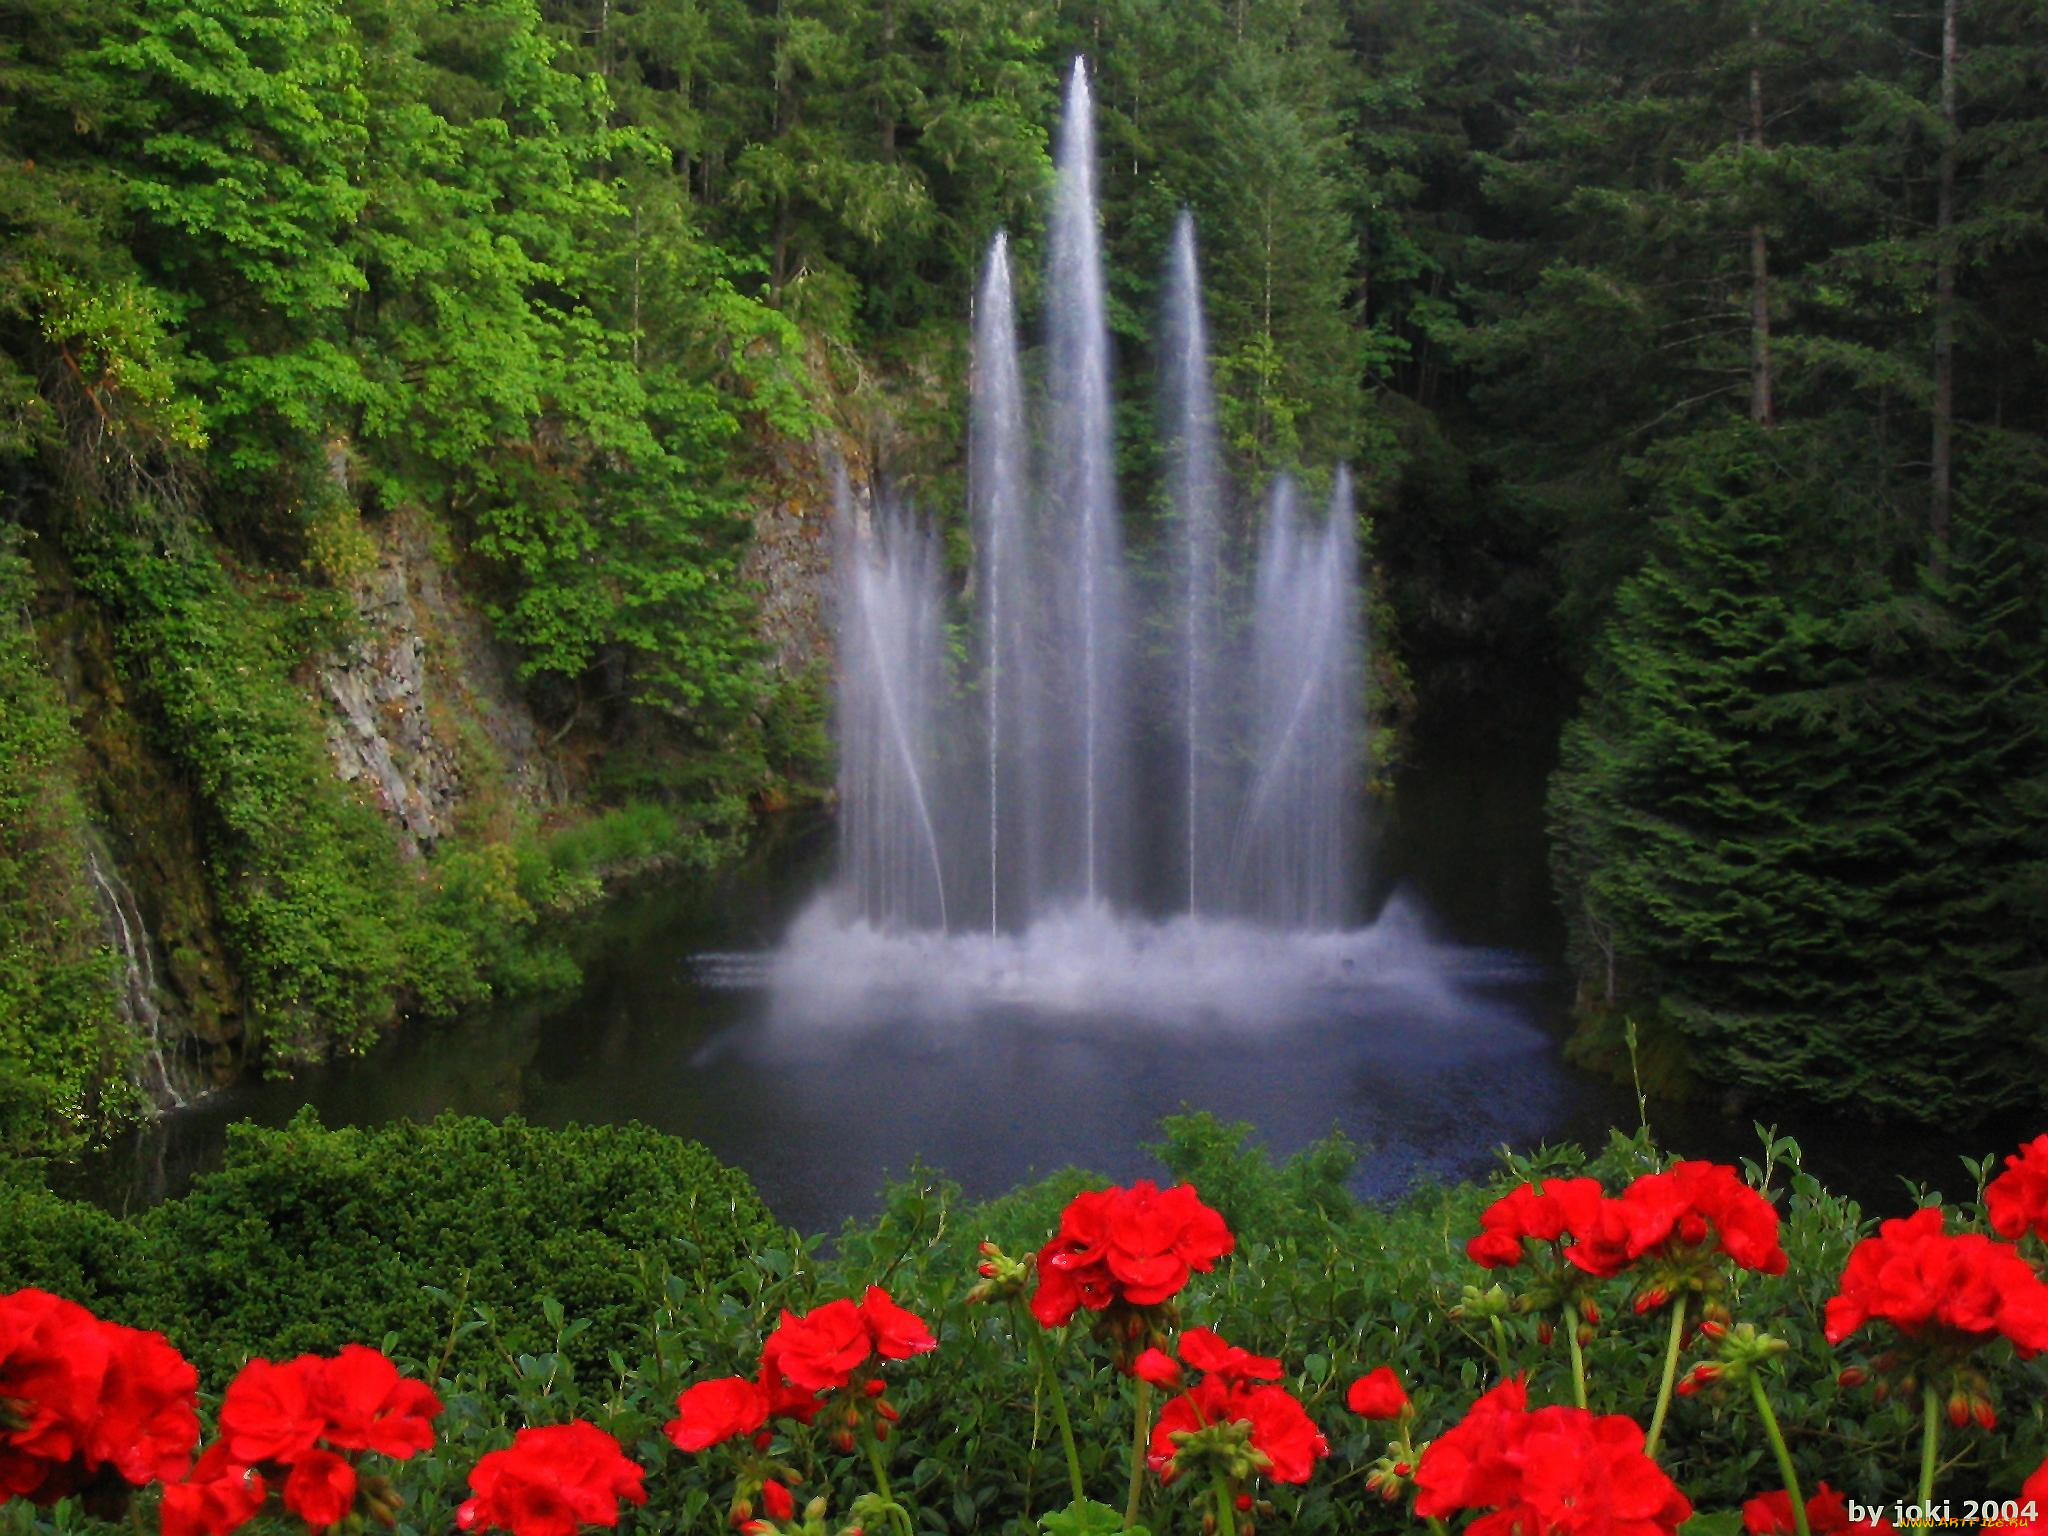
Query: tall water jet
1293,858
891,679
1080,478
1195,491
999,491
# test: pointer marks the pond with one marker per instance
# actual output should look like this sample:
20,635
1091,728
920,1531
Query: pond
1449,1048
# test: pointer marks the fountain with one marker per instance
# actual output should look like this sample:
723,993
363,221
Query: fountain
1047,821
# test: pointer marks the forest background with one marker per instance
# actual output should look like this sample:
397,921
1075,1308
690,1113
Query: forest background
410,417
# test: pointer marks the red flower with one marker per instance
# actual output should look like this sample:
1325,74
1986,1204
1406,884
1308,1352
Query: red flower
898,1334
1690,1210
78,1395
1282,1430
321,1489
1377,1395
353,1401
820,1350
2017,1200
269,1413
1232,1392
216,1499
1563,1208
1558,1471
1964,1289
552,1481
1135,1245
1206,1351
777,1501
369,1406
2034,1491
1827,1514
1159,1368
712,1412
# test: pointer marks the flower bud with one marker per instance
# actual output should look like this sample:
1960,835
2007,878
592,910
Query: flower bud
1585,1337
1984,1413
1958,1409
1851,1377
1589,1309
1244,1501
987,1249
1651,1299
1713,1328
741,1512
875,1386
1545,1332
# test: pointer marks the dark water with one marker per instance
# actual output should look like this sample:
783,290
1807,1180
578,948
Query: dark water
1450,1048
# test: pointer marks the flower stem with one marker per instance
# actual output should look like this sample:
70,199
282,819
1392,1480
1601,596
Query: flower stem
1670,1375
1571,1337
896,1511
1777,1437
1140,1437
1500,1346
1930,1444
1226,1508
1413,1462
1050,1378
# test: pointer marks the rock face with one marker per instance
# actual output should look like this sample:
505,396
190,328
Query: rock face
422,675
789,564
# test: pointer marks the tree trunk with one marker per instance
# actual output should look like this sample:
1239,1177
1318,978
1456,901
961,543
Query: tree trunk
1943,448
1762,410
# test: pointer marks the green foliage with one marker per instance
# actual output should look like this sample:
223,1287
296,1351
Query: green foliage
1775,819
306,877
440,1236
62,1056
1332,1288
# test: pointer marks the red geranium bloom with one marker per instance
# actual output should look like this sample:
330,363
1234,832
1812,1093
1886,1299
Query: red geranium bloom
269,1413
552,1481
1204,1350
1233,1390
353,1401
216,1499
1377,1395
1827,1514
84,1395
321,1489
712,1412
369,1406
820,1350
1964,1289
1135,1245
897,1333
1558,1471
1563,1208
2017,1200
2034,1491
1689,1208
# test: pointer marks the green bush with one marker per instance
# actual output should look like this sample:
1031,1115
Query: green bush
303,1219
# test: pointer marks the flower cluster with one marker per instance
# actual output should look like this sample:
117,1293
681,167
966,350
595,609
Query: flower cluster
1560,1209
806,1362
1561,1471
1827,1514
1679,1219
1129,1248
301,1427
88,1406
2017,1200
552,1481
1233,1421
1940,1289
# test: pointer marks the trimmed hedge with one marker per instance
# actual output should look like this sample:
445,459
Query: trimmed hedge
310,1235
